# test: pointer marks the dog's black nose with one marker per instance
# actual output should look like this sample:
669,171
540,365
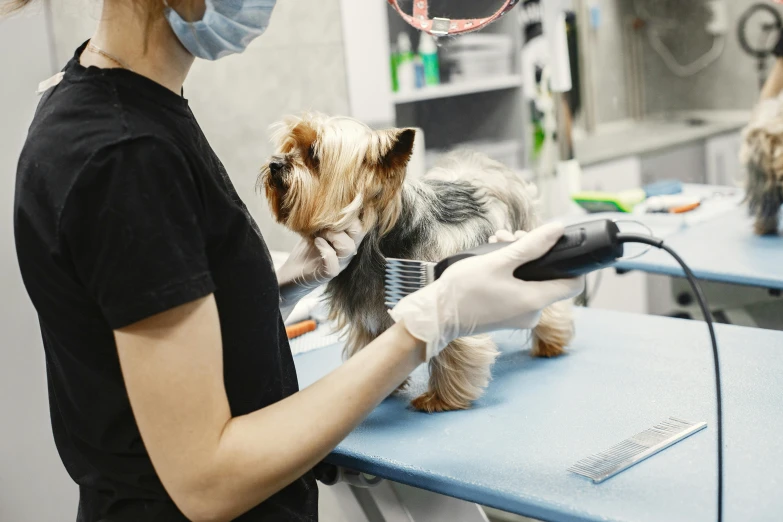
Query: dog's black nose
276,168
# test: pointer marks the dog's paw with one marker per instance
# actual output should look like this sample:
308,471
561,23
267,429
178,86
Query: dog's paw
766,227
430,402
543,349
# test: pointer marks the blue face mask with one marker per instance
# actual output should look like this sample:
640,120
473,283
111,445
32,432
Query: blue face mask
228,27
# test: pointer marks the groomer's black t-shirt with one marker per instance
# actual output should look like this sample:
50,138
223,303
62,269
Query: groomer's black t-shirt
123,211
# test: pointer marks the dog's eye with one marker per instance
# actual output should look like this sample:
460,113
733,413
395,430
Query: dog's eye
312,160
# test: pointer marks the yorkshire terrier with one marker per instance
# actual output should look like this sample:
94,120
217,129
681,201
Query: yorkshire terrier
328,171
762,156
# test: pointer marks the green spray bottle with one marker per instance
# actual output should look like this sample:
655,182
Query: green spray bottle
428,50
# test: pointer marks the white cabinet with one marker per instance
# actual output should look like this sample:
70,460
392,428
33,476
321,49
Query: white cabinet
607,289
683,162
613,176
722,158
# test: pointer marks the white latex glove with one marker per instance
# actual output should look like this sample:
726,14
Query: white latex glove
504,236
314,262
480,294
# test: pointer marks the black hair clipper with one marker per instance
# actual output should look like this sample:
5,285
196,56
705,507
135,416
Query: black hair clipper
584,248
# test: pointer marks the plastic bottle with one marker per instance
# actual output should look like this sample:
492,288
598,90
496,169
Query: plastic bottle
418,68
428,50
395,58
406,71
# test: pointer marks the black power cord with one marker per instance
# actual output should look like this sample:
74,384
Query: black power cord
658,243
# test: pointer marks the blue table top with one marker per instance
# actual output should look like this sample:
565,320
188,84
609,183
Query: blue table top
623,374
723,249
716,240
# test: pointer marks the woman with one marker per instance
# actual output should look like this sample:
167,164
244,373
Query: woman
172,388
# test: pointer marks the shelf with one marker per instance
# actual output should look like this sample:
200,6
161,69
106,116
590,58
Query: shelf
447,90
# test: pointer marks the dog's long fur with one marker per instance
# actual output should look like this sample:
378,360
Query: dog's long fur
762,155
337,169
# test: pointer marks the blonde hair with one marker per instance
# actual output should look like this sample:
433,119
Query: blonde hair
153,9
13,5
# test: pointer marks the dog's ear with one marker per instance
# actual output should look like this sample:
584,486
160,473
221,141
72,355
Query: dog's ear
390,155
396,149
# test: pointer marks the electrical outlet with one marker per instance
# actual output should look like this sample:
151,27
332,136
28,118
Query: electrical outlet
719,21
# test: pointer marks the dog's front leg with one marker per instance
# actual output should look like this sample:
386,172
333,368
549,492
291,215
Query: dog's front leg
458,375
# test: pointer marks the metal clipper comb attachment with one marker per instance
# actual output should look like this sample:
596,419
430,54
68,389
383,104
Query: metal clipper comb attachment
405,276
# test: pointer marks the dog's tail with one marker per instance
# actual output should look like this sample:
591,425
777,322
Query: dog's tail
497,182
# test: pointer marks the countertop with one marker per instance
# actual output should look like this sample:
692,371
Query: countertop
656,132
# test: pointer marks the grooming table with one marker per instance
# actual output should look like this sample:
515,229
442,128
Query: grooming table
716,241
723,249
623,374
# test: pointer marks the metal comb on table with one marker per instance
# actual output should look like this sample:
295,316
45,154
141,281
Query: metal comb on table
606,464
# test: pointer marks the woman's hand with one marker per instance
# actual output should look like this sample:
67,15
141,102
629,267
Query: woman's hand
314,262
481,294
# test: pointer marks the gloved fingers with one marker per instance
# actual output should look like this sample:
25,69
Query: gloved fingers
346,243
502,236
530,246
330,262
540,294
356,231
342,244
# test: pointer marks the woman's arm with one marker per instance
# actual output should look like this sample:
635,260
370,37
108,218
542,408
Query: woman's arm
216,467
774,83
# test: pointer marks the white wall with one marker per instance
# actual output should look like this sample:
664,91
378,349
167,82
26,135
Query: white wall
34,486
730,83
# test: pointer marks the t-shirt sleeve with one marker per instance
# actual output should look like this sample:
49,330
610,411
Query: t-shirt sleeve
132,227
